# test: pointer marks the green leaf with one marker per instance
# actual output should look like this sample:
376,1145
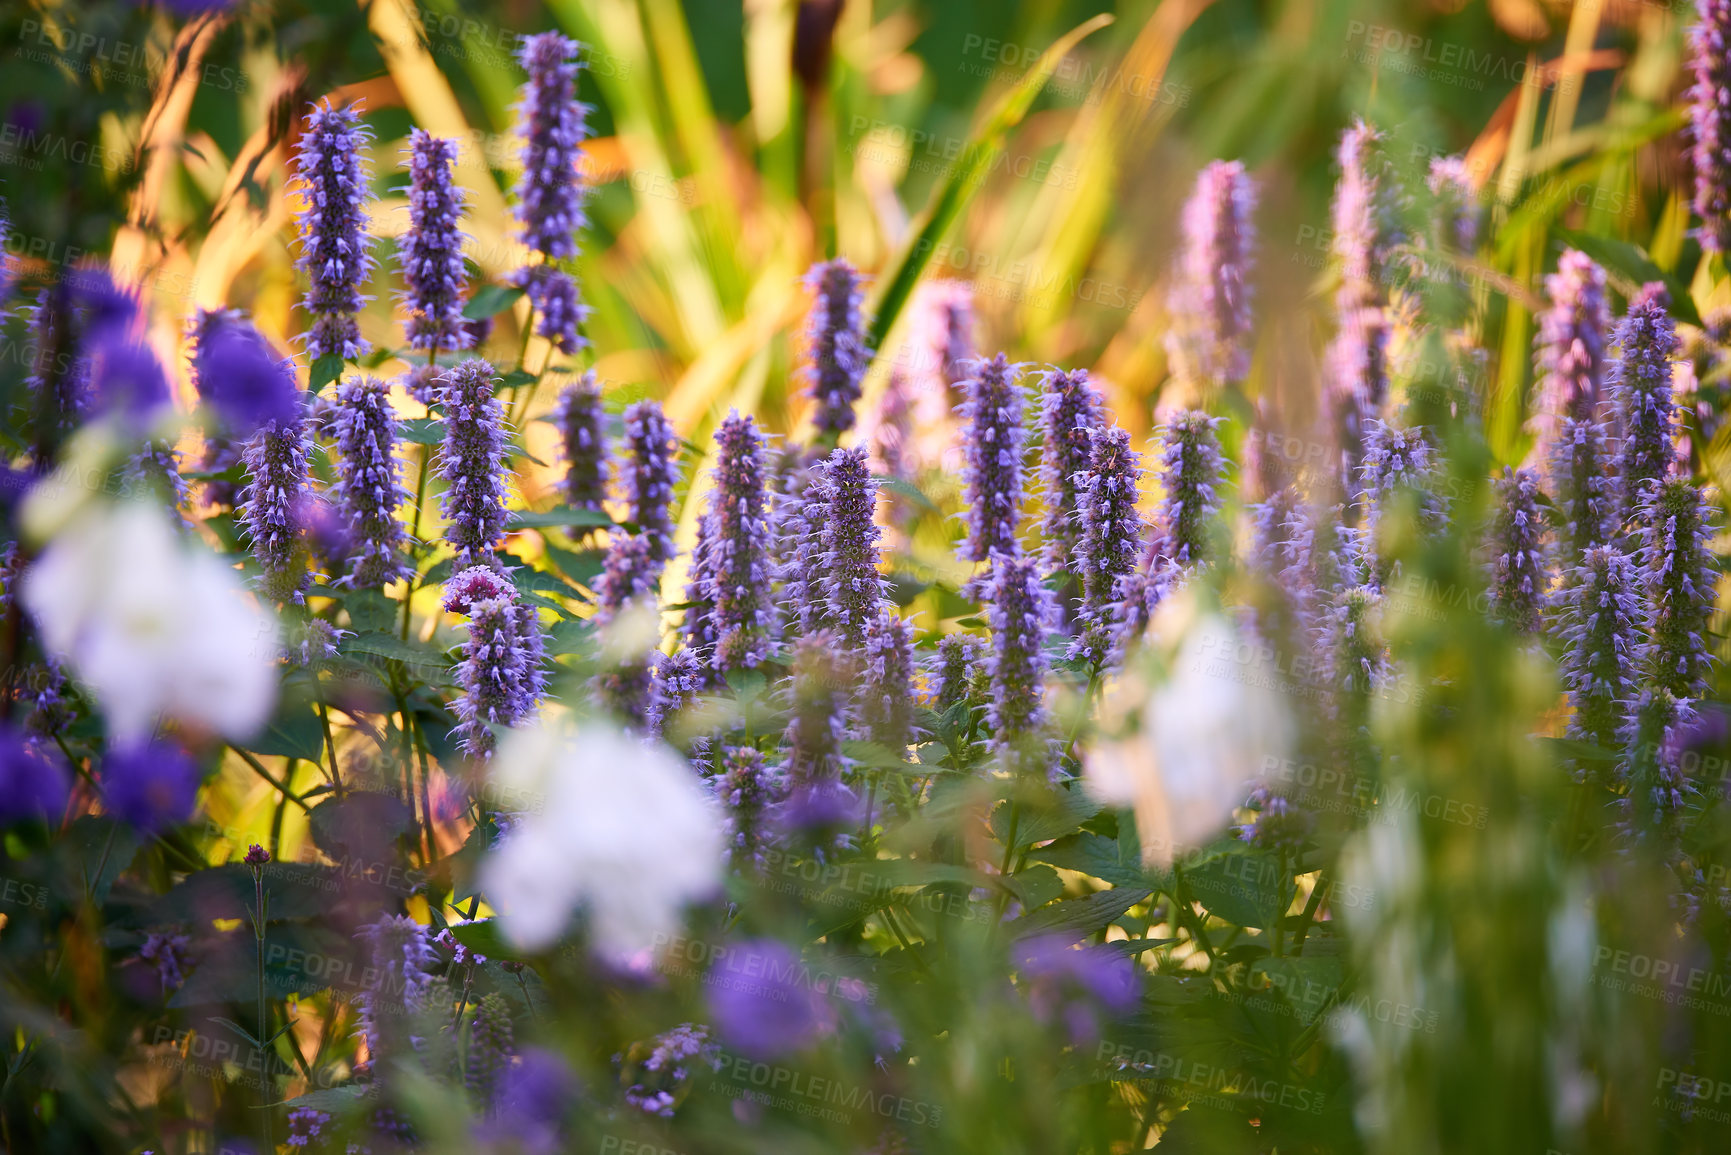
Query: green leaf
490,300
532,519
382,644
902,487
295,732
1240,884
1094,855
238,1029
1636,266
1079,918
324,370
422,430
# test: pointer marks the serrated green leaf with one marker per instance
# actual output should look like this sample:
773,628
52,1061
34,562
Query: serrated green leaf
324,370
490,300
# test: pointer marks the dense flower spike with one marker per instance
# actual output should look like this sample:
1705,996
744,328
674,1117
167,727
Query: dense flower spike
1193,471
886,701
737,568
853,587
1641,387
628,580
431,252
836,352
649,476
1581,489
400,959
1571,343
664,1075
1366,229
804,593
1021,616
56,382
1072,410
336,252
1710,122
274,507
994,444
1209,339
747,786
1601,629
1395,460
1657,787
582,425
369,491
1454,205
550,192
1520,578
496,676
821,685
1110,541
1681,577
472,464
955,669
490,1052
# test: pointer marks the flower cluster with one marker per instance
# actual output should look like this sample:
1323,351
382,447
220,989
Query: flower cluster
1641,387
1072,412
336,253
550,194
836,351
431,251
369,492
274,507
650,473
995,441
1210,303
581,422
1710,122
472,464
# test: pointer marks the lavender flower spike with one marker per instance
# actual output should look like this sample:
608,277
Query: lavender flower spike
1455,219
1209,340
472,464
1366,230
550,192
739,568
1021,619
1073,410
1658,788
801,549
1192,474
273,507
494,678
583,437
628,579
886,692
369,492
1581,488
836,349
335,249
1571,342
431,252
1519,578
1641,388
994,447
650,475
1681,577
747,787
819,687
953,671
1710,122
849,545
1111,539
1601,629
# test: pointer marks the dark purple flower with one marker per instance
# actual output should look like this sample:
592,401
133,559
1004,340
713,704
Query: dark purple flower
536,1094
496,678
994,445
836,351
955,671
1021,617
168,954
32,785
1710,122
748,788
431,252
125,376
335,252
559,309
582,425
737,569
1396,460
274,508
474,584
369,492
1681,575
1110,541
763,1003
306,1127
1520,577
886,693
550,192
256,855
1641,387
151,786
651,471
848,545
1071,985
1072,411
472,463
241,379
1208,341
1601,631
1192,473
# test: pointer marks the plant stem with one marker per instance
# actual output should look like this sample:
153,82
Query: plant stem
263,1008
258,768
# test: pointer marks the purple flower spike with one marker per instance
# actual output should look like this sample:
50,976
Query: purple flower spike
1641,388
763,1003
738,566
400,958
1710,122
629,577
801,548
582,425
1658,788
994,444
1365,218
57,385
836,352
747,787
550,193
1455,209
1520,578
1072,986
820,687
125,376
369,491
472,463
431,252
1681,577
1571,343
886,700
664,1077
1396,459
535,1097
336,253
497,673
32,785
1601,629
1073,410
274,507
849,545
1111,539
151,786
1193,472
955,671
1209,340
1021,617
650,475
1581,488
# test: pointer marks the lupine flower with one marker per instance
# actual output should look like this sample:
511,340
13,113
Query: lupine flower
1641,387
32,784
1455,213
994,444
801,548
629,849
1021,617
747,787
151,786
836,352
1681,578
650,475
1658,789
1601,631
369,491
582,426
1110,541
849,550
472,463
431,251
738,567
494,677
489,1055
399,958
336,253
274,506
550,193
665,1073
1209,339
1073,411
954,670
1583,495
1072,985
1571,343
1520,578
886,692
1710,122
766,1012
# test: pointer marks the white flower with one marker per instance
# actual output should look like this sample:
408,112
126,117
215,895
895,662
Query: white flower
1206,733
612,825
153,624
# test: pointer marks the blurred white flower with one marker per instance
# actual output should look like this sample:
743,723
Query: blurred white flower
612,825
1205,734
153,624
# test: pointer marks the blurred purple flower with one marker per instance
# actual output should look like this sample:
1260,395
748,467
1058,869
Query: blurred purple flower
152,785
1710,122
1072,986
1208,341
1021,617
536,1095
582,425
1681,573
762,1001
242,380
32,784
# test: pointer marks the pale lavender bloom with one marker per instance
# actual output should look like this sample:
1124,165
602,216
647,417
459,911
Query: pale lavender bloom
836,352
801,547
848,556
1072,410
760,1006
1395,460
1110,541
1072,986
1582,491
1641,387
1356,365
738,567
550,192
534,646
399,962
748,788
1570,357
1357,654
679,677
369,491
1209,339
582,425
472,463
667,1071
886,698
274,507
559,308
496,678
1601,631
994,445
336,252
1520,578
1366,229
1710,122
431,252
306,1126
1658,790
1455,205
1192,473
650,475
954,671
1681,576
1021,616
1279,825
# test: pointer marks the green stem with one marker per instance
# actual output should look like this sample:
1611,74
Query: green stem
263,1007
1310,907
415,537
258,768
